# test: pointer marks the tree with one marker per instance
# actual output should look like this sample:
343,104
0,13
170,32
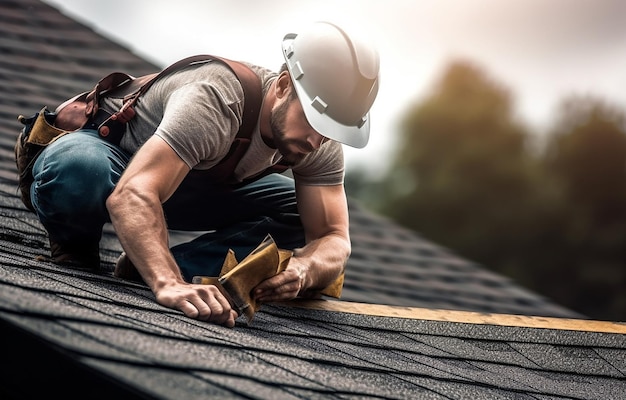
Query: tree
464,156
587,154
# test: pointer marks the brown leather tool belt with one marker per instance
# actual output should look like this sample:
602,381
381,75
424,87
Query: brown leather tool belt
108,129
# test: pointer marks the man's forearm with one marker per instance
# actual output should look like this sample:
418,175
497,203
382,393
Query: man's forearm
140,225
323,261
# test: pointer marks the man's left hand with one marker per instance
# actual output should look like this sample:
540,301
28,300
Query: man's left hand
283,286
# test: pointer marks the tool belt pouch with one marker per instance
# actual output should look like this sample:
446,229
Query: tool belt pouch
38,132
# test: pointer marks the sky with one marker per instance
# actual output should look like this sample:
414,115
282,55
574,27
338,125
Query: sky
542,50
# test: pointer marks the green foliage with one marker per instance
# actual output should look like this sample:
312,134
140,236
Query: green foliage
465,177
587,153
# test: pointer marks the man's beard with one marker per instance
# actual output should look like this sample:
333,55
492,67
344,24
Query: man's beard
277,124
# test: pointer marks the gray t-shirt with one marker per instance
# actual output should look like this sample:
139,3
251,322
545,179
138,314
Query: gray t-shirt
198,111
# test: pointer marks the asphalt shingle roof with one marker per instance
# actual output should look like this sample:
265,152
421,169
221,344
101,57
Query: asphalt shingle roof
63,327
115,334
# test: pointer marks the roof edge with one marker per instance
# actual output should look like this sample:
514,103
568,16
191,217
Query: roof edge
468,317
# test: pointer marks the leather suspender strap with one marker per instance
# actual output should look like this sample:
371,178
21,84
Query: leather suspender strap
253,96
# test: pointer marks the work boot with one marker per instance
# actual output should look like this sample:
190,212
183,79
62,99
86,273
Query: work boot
76,255
125,269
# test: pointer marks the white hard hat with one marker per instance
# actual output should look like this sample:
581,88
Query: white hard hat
336,79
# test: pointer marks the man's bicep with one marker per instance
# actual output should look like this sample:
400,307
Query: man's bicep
323,210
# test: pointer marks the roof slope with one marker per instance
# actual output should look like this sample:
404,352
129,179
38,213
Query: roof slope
65,330
65,326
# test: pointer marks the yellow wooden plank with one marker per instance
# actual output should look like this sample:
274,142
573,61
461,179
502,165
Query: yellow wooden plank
461,316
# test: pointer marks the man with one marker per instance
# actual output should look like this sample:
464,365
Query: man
186,123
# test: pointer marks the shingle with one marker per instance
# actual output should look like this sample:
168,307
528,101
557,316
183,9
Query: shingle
567,359
615,357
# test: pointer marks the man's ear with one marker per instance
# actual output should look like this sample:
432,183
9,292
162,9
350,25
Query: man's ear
283,85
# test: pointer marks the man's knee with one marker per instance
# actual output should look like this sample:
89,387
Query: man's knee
72,174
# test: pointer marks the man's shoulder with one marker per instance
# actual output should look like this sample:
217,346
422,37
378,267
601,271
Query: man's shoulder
265,75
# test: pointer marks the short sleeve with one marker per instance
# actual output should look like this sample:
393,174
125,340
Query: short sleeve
200,119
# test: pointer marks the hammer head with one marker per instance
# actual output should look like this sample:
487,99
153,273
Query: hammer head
237,279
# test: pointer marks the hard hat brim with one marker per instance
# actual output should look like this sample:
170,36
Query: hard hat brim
354,136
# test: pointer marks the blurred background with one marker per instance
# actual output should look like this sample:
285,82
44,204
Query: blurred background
499,130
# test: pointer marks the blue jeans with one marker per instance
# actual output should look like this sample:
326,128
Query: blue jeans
75,175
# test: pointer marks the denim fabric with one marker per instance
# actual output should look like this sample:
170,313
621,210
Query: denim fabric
241,217
73,178
75,175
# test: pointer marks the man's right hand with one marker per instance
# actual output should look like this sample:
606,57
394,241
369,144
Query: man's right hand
202,302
